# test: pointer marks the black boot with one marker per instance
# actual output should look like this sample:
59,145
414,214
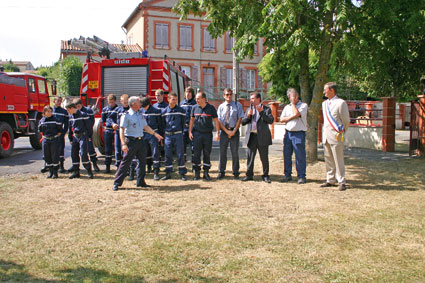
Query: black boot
61,168
44,169
50,172
155,174
149,170
89,172
131,174
95,167
75,174
108,169
71,169
55,172
166,177
206,175
197,175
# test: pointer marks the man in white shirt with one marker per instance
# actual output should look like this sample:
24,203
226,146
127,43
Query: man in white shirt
294,115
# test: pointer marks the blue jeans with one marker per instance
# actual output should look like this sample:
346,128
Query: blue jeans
294,142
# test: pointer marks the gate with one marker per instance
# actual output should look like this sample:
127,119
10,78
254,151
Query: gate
417,122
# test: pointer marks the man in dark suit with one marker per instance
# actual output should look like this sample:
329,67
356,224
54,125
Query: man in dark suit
258,136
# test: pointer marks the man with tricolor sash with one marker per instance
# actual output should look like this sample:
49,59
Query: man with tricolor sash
336,122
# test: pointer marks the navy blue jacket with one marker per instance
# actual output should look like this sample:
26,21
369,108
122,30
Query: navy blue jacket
79,123
110,116
90,114
154,118
173,119
50,127
62,116
161,105
121,110
187,106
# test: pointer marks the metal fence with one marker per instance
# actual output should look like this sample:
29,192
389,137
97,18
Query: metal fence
216,93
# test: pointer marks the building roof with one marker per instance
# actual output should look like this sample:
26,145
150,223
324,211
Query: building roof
139,7
67,46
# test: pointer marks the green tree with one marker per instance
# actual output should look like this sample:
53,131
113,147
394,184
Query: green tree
296,33
69,78
385,52
10,67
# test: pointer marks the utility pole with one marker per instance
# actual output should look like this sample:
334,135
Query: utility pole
235,74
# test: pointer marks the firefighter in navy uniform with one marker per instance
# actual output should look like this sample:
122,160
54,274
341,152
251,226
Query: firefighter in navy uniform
121,110
79,131
110,118
161,104
51,129
174,118
62,116
187,104
91,150
154,120
200,132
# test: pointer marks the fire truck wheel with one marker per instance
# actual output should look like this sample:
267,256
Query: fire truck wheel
35,140
7,140
98,136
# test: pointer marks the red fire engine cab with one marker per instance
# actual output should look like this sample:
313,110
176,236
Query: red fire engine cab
22,99
125,73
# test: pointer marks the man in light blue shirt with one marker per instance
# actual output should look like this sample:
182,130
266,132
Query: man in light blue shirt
131,134
230,114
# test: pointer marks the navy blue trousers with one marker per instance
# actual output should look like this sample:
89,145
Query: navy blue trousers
202,144
79,148
108,136
187,142
294,142
61,147
153,154
51,152
136,148
91,150
171,143
118,151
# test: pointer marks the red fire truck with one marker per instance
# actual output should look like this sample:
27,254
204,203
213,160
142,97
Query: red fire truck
124,73
22,99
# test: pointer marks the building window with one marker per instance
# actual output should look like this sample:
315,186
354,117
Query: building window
162,35
208,41
186,70
251,76
185,37
228,42
229,78
208,74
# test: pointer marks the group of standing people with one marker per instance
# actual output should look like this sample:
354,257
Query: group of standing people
145,134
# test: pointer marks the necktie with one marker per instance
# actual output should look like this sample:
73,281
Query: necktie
254,121
227,117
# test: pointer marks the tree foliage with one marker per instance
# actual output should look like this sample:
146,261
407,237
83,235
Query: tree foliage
299,35
69,79
385,52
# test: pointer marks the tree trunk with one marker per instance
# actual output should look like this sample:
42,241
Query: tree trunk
321,77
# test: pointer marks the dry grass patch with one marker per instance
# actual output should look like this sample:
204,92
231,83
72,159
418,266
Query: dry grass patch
217,231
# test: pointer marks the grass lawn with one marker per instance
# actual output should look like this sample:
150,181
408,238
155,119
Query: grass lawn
80,230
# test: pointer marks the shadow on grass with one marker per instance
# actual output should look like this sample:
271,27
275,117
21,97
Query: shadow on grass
12,272
170,189
404,175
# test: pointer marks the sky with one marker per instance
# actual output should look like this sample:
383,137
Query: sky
32,30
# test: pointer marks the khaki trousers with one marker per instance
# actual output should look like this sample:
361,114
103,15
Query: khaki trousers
334,159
